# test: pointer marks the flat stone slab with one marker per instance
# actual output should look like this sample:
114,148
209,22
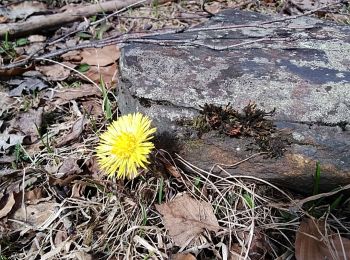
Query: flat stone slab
300,67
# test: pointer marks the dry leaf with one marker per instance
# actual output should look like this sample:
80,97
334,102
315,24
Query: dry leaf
60,237
108,74
28,123
36,38
75,132
69,94
185,218
92,107
78,190
69,166
73,56
9,203
3,19
170,168
7,159
33,195
181,256
54,72
214,7
14,71
235,252
22,9
27,84
9,140
6,102
101,57
313,243
296,7
35,215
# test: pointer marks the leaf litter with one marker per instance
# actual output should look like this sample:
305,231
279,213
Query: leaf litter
186,218
55,203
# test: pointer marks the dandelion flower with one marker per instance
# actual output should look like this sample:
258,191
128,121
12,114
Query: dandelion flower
125,146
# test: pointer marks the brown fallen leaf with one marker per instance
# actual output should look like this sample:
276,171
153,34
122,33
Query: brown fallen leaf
68,167
60,236
108,74
15,71
75,132
78,189
181,256
170,168
185,218
8,202
313,242
69,94
55,72
3,19
73,56
235,252
100,57
36,38
28,123
214,7
6,102
34,195
92,107
35,215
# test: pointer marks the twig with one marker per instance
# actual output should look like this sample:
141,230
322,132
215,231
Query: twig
44,21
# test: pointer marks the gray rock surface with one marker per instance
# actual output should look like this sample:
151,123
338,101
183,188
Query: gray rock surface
301,67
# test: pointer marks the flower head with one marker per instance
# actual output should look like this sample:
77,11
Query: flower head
125,146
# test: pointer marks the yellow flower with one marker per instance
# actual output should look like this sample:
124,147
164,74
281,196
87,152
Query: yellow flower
125,146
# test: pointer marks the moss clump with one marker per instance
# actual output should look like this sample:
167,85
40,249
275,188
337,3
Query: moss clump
250,122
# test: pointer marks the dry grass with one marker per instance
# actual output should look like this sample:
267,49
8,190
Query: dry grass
115,220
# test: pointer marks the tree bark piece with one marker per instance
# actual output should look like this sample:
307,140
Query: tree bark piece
37,23
300,67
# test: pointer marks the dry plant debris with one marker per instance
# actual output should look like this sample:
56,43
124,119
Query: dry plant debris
186,218
251,122
55,203
315,241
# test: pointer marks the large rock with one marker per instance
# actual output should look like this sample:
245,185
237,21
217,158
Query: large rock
301,67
